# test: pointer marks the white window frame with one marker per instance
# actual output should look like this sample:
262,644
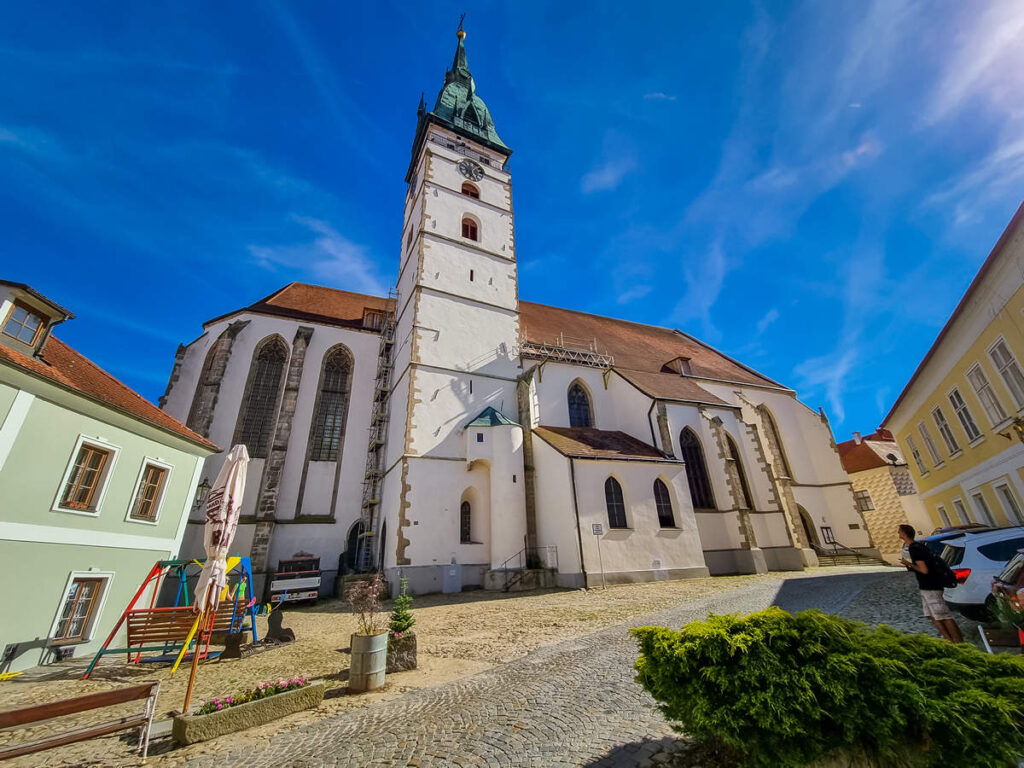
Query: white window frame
1018,399
987,387
945,431
943,516
1004,491
159,501
918,458
104,481
965,417
981,507
962,511
88,633
929,444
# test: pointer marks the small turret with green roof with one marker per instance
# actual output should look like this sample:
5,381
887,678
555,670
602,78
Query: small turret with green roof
459,108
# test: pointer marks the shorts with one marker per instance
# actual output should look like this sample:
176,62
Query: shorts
934,606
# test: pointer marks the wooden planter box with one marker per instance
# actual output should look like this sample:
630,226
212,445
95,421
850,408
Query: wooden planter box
188,729
401,653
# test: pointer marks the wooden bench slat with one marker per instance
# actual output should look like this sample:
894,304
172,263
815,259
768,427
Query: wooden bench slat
39,712
59,740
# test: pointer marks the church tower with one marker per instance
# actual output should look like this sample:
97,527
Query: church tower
452,502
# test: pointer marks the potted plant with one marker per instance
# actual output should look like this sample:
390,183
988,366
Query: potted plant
401,638
370,643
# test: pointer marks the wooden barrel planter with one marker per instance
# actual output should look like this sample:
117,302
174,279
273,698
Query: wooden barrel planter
369,662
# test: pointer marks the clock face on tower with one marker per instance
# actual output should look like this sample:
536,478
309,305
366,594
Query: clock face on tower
471,170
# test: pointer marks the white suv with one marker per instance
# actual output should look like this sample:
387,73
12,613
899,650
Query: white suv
977,558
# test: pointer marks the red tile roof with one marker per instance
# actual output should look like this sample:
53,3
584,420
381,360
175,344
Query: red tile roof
588,442
67,368
857,457
640,351
316,304
1018,219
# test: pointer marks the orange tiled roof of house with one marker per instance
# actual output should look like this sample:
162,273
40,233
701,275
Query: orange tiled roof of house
596,443
857,457
64,366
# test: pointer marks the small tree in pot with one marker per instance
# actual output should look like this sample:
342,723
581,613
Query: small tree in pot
401,638
370,643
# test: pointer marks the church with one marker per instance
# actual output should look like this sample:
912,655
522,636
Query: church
457,436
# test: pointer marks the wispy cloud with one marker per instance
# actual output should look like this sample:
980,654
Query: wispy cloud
607,175
998,175
659,96
637,292
328,257
769,317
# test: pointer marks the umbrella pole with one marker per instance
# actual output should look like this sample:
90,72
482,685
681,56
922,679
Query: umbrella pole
195,652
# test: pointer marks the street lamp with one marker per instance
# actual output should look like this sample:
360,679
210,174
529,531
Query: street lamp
202,491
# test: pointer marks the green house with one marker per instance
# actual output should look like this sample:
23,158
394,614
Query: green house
96,484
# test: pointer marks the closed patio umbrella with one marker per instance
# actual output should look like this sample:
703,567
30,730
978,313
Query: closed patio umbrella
223,505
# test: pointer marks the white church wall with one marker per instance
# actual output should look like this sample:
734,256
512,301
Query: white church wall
833,506
644,551
457,333
485,278
719,531
556,518
632,411
445,207
553,395
681,416
770,529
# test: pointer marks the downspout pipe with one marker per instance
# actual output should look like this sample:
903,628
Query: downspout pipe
576,510
650,423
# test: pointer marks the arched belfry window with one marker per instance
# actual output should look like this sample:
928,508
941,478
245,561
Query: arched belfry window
470,190
775,437
331,406
580,414
469,229
696,470
466,523
615,503
734,452
663,502
256,419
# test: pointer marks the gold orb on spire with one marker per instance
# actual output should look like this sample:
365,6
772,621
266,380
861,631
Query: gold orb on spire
461,34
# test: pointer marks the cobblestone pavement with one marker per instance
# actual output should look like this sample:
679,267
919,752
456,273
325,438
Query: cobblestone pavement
574,703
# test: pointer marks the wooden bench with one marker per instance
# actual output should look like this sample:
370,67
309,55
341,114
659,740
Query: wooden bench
165,629
20,718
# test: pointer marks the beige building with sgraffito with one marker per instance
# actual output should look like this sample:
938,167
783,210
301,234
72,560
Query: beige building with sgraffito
883,489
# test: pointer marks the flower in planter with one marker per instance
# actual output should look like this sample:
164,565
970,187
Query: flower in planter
364,597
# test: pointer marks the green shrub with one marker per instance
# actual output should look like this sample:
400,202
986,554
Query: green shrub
402,619
787,690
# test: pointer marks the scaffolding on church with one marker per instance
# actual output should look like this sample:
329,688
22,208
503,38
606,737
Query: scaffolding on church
375,454
567,350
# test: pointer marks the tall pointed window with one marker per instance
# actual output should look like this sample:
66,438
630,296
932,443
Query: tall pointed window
615,503
579,407
256,420
465,523
734,453
331,406
469,229
664,504
470,190
696,470
775,438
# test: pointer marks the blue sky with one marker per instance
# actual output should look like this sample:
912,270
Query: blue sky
808,186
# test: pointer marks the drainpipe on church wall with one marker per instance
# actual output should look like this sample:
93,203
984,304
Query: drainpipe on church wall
576,509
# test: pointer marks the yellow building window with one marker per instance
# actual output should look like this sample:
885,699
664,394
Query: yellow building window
979,383
1007,366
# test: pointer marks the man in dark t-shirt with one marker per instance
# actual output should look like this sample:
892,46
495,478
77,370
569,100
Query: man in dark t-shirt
916,559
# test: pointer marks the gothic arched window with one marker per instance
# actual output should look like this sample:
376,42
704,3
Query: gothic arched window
256,419
470,190
734,452
469,229
696,470
466,523
664,504
579,406
331,406
775,437
615,503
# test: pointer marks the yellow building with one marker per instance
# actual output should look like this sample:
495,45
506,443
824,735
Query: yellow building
960,418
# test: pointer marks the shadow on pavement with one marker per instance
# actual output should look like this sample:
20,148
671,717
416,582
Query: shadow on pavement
827,593
670,752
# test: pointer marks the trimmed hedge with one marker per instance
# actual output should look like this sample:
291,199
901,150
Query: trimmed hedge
787,690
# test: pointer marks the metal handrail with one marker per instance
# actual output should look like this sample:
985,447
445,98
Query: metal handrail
513,575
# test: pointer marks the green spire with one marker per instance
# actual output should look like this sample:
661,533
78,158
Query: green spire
459,108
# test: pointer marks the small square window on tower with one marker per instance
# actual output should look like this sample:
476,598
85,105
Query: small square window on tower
479,437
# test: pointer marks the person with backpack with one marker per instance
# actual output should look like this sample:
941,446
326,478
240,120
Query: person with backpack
933,575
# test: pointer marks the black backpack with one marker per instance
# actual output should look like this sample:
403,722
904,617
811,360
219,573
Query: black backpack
941,569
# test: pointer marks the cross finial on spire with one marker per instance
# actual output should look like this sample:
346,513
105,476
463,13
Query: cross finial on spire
461,33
